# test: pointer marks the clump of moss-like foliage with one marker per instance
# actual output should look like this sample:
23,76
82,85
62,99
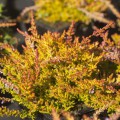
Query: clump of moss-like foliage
57,71
78,10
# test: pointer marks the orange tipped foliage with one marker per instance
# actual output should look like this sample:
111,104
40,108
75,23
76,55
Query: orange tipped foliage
57,71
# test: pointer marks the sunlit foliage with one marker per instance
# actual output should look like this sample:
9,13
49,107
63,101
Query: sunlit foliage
58,71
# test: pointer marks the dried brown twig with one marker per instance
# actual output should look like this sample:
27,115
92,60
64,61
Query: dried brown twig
94,16
7,24
30,8
111,7
55,115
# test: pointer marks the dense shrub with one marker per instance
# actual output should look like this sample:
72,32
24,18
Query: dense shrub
78,10
57,71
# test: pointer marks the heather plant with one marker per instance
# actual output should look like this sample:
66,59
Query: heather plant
56,15
78,10
57,71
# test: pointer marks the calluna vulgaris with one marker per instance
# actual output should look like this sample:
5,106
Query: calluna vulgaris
60,71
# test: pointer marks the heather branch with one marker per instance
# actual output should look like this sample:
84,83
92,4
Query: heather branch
3,100
8,112
33,28
100,31
9,85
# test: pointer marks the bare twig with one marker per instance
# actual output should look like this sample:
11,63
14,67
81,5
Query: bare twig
111,7
55,115
94,16
30,8
7,24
